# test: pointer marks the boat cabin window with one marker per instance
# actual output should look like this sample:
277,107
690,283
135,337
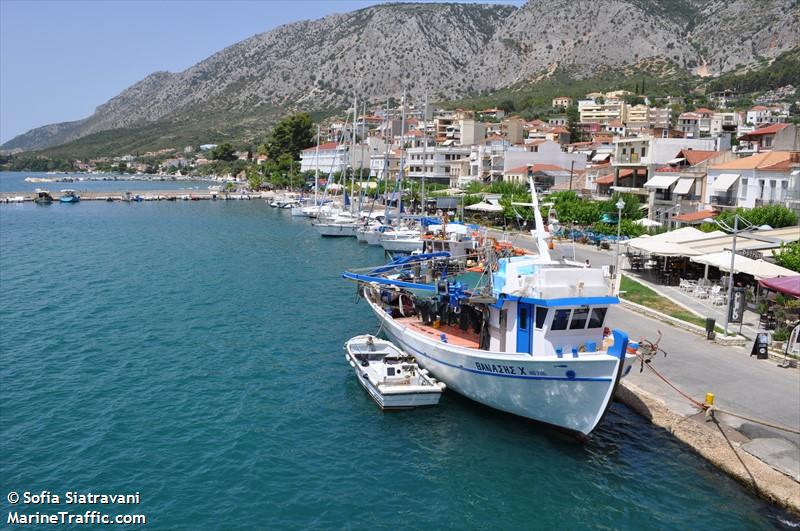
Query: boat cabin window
560,320
597,318
579,317
541,315
523,317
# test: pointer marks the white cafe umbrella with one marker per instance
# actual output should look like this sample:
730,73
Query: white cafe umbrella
484,207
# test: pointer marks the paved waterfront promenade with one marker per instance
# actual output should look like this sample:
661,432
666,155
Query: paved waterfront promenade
740,383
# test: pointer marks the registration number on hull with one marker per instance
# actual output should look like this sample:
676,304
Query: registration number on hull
508,369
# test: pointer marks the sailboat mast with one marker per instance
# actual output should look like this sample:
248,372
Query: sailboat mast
316,170
353,153
402,155
385,177
424,151
361,157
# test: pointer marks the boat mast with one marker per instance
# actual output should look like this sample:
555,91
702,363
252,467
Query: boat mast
353,153
541,237
402,155
316,171
424,151
361,158
385,176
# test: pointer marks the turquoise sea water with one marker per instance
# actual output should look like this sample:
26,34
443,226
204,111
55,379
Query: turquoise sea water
14,181
192,352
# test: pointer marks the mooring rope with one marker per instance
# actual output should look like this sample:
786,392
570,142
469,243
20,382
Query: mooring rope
712,409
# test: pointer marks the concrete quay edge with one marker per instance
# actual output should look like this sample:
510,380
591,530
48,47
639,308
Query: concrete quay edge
711,440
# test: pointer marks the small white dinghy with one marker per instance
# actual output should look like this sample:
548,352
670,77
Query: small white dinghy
392,378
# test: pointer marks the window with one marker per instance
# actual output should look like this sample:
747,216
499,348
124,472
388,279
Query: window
560,320
523,317
598,315
743,189
644,151
579,317
541,315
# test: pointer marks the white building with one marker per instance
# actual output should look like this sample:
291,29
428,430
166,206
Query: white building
543,152
333,156
435,163
761,179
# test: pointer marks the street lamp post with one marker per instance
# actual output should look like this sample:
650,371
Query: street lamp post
573,240
730,275
735,230
620,205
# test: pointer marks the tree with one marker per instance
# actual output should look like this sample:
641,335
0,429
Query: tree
573,124
789,256
224,152
776,216
290,136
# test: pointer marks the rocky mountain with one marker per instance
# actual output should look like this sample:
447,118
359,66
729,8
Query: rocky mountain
444,50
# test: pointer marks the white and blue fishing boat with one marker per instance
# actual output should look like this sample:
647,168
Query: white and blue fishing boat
69,196
530,341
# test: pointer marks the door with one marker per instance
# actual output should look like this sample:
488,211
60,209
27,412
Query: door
524,328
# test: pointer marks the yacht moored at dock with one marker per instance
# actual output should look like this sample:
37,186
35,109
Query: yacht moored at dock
69,196
42,197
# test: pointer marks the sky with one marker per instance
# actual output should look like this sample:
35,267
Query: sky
61,59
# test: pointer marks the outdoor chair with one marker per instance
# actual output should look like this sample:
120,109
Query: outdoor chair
717,296
700,292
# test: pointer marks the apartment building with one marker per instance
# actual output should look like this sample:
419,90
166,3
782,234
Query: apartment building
435,163
592,112
762,179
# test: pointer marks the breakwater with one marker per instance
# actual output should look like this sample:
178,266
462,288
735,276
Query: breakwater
149,195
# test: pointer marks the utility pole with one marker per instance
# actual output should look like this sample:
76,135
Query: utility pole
571,168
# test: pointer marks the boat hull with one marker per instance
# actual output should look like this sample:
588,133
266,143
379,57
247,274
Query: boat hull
572,394
336,230
410,400
372,237
402,246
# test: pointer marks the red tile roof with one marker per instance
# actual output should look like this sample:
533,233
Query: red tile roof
696,216
703,110
768,160
768,130
694,157
325,146
523,170
759,108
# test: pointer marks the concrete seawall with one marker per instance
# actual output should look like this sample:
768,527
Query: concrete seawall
718,443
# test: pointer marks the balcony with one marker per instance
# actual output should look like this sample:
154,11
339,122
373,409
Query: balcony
633,159
723,200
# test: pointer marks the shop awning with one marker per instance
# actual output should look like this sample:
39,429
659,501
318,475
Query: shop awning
683,187
723,182
785,285
661,181
761,269
722,261
653,246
